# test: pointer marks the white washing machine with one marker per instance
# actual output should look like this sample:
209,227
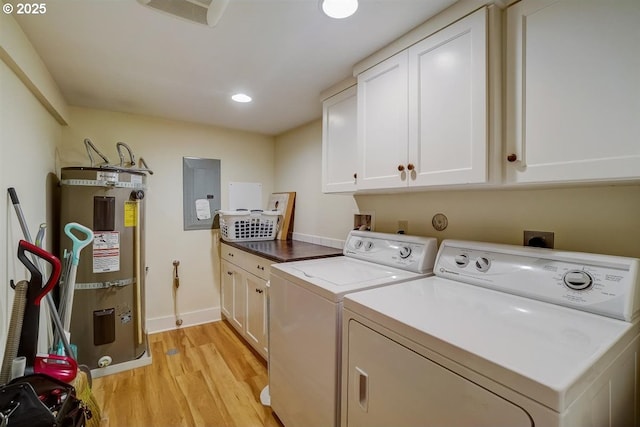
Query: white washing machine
305,310
500,336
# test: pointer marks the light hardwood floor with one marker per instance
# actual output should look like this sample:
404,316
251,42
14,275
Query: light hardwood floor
200,376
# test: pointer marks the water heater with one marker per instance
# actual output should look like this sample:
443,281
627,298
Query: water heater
107,322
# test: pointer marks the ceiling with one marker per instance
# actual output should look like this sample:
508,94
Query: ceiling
119,55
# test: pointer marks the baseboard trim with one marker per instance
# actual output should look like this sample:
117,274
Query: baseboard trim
318,240
192,318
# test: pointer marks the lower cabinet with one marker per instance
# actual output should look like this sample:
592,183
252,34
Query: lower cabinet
233,295
256,330
243,295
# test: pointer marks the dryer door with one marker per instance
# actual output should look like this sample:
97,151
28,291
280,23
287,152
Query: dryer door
388,384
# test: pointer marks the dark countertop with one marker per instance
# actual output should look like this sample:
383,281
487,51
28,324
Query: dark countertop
285,250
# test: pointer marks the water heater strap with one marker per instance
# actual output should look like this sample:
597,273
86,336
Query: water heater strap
105,285
102,183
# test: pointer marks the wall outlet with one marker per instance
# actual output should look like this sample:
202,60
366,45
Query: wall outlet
403,226
363,221
539,239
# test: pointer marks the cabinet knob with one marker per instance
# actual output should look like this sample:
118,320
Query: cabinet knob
259,267
400,168
410,166
229,273
230,254
259,291
512,158
355,176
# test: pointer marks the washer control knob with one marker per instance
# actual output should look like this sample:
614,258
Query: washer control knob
368,246
578,280
462,260
357,244
483,264
405,251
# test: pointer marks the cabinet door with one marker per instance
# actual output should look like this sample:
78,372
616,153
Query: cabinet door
448,105
414,391
226,290
573,85
256,331
383,124
339,141
233,295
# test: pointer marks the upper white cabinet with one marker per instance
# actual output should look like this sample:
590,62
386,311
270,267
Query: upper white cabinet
383,124
573,91
423,116
448,117
339,136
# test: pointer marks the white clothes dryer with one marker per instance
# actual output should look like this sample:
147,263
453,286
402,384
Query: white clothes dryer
500,336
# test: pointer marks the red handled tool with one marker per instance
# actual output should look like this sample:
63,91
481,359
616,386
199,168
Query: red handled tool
35,292
63,368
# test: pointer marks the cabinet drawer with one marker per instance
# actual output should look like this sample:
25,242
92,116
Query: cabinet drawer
250,263
261,267
232,254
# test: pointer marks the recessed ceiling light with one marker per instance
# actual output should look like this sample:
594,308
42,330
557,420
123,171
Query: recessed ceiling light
339,9
241,97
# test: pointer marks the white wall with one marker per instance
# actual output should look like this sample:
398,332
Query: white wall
31,112
245,157
319,218
28,137
598,219
19,55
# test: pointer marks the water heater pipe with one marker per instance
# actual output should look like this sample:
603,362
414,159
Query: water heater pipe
176,285
138,273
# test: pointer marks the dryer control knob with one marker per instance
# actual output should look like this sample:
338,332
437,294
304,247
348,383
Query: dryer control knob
578,280
405,251
483,264
462,260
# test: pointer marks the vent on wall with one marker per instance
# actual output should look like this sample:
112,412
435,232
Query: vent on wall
207,12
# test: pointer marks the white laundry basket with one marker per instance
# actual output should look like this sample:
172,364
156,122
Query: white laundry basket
244,226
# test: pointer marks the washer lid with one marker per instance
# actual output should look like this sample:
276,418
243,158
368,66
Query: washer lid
547,352
343,272
336,276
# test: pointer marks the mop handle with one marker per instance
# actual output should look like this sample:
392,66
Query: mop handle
78,244
16,204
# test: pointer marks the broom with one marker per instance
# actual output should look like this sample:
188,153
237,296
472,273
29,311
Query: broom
83,392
